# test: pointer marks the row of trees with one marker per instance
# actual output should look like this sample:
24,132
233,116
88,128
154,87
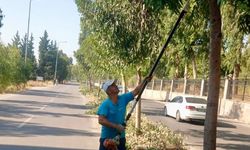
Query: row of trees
48,51
131,34
124,37
14,70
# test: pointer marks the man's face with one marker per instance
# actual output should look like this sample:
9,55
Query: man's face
113,89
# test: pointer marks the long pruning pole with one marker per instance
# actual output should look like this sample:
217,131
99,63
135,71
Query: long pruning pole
145,82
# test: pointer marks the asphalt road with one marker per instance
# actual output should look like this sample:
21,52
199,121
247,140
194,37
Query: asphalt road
231,135
53,118
49,118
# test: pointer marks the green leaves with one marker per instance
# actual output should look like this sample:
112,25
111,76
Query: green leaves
13,71
129,34
159,5
125,31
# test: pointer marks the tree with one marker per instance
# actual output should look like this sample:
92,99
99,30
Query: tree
31,58
214,76
5,73
16,41
128,29
43,49
243,7
233,40
63,66
47,60
31,67
13,70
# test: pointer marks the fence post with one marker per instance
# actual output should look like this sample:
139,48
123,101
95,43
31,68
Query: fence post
244,90
185,86
225,94
202,87
171,89
153,82
161,85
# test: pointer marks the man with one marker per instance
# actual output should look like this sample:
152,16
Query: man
112,113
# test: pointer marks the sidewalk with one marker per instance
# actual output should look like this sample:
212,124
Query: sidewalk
92,128
92,134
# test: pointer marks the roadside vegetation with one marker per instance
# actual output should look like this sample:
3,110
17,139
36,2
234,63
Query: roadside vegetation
23,86
18,63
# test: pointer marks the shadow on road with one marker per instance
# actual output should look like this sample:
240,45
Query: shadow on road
222,134
24,147
233,146
46,93
20,108
10,128
220,124
153,111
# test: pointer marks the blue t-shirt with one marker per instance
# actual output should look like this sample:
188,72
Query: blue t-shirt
114,113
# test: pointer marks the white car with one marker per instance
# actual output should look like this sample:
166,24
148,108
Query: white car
186,108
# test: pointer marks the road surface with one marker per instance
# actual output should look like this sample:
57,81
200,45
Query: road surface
47,118
231,135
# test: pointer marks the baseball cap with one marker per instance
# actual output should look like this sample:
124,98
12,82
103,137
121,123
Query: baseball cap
107,83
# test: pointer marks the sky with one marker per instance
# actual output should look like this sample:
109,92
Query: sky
59,18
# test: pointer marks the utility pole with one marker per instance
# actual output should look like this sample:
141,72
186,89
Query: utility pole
28,30
55,78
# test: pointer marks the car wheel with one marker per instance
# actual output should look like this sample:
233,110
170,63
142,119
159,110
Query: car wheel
178,116
165,111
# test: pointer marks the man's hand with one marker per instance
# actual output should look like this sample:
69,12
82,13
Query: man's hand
110,144
148,78
120,128
138,88
104,121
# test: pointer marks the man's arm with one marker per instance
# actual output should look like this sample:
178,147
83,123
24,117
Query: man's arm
104,121
138,87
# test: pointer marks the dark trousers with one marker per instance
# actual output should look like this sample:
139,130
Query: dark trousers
121,146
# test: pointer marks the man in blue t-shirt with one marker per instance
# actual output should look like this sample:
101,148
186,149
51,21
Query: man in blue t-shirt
112,112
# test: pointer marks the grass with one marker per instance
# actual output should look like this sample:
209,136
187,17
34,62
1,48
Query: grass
23,86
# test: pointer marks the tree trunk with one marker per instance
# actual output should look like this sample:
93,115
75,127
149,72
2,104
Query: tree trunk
186,86
185,71
235,78
90,83
204,67
194,68
124,83
99,89
214,76
138,106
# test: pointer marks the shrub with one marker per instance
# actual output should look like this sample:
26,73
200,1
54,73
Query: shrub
153,136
